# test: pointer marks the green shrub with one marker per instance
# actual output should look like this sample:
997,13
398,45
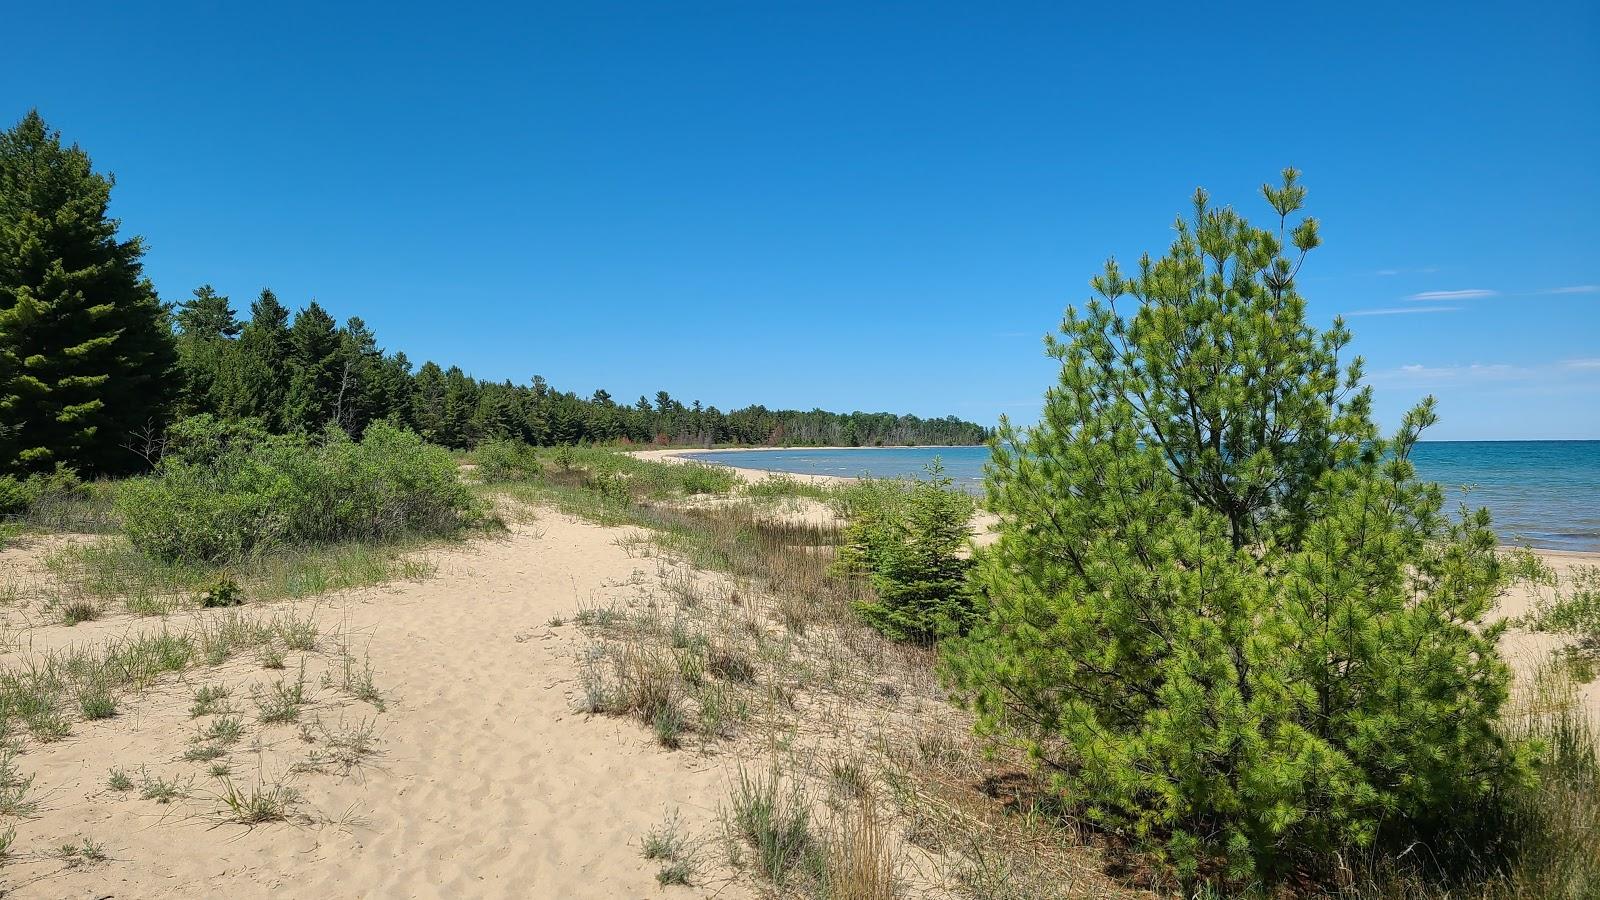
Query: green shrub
1223,611
909,541
222,498
224,593
19,497
503,461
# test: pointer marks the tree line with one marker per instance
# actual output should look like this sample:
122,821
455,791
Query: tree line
93,365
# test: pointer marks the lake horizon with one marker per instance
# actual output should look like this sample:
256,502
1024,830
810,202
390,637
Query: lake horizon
1543,494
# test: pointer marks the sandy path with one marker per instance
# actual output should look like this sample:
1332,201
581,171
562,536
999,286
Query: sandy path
488,784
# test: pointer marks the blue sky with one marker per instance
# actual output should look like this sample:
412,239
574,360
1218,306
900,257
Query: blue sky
850,205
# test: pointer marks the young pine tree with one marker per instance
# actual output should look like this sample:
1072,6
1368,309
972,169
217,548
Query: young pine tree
1222,611
85,351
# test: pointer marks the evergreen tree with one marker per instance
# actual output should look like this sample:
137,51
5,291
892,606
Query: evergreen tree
316,371
253,387
205,324
85,351
1225,613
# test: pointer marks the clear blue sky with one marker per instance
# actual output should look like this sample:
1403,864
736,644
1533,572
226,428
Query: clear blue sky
849,205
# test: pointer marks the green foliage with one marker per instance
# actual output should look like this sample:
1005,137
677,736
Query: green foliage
503,461
18,496
225,592
85,354
910,541
1222,610
220,499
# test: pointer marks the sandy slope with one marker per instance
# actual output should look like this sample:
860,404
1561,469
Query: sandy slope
487,784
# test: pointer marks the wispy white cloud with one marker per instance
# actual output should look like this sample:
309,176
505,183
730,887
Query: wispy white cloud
1590,363
1475,371
1453,295
1575,289
1403,310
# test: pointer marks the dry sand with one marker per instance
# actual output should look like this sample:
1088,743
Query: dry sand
486,783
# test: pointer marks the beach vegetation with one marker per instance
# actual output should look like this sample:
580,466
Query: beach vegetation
1223,611
911,541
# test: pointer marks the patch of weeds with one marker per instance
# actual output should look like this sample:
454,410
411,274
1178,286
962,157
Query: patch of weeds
341,747
86,852
119,781
204,752
556,622
356,681
226,730
14,788
599,618
145,604
270,656
95,701
849,777
220,770
281,703
730,664
209,700
295,631
668,723
161,790
257,804
76,611
667,842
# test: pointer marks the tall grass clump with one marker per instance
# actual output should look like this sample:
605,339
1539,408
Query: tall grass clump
225,492
1223,611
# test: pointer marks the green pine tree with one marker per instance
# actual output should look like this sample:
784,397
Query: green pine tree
254,384
205,328
85,350
1222,610
317,371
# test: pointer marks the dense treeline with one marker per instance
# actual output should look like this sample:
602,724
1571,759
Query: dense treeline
309,372
93,367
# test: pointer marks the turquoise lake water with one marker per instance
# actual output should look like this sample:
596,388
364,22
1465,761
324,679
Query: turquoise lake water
1541,493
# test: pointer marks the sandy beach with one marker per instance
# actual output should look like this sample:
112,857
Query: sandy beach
483,779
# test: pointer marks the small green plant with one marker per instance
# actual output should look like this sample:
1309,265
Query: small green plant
15,788
208,700
256,804
96,701
668,722
270,656
74,612
119,781
668,844
282,701
161,790
224,592
226,730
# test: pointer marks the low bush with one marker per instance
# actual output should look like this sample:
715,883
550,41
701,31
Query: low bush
224,493
502,461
